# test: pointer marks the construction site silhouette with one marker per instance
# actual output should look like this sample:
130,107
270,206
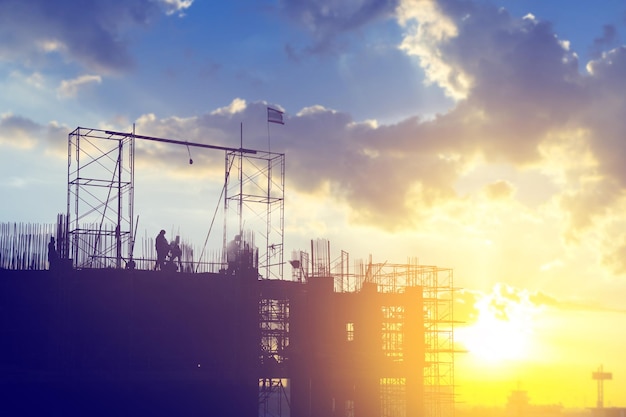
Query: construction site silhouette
99,328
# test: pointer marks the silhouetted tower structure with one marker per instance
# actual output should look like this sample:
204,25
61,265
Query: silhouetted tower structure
601,376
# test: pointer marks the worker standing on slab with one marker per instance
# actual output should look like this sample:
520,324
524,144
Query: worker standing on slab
162,249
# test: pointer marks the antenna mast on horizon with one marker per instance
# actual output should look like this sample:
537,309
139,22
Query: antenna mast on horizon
601,376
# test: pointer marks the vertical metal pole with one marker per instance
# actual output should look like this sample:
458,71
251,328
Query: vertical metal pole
312,259
282,215
76,199
226,179
328,257
268,220
241,181
66,244
118,228
131,195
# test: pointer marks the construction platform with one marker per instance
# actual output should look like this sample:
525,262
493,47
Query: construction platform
134,342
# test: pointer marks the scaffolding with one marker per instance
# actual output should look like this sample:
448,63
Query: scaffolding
437,287
406,309
100,187
410,320
273,382
254,199
100,199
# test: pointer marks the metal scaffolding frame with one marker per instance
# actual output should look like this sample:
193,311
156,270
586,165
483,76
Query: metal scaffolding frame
100,188
256,194
392,281
273,397
100,199
437,286
274,327
439,335
274,330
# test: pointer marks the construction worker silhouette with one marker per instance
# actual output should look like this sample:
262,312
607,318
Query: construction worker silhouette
53,256
176,253
232,254
162,249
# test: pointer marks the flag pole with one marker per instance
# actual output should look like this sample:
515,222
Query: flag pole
269,148
273,116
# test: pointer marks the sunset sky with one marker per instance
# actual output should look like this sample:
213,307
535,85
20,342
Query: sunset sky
486,136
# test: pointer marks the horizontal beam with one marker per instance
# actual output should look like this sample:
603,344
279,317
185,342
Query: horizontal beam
182,142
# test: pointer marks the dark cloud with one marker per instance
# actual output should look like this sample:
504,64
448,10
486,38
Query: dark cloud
90,32
328,20
608,40
21,132
384,186
18,132
524,83
11,125
523,88
601,191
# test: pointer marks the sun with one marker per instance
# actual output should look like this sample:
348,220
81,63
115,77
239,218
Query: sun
503,330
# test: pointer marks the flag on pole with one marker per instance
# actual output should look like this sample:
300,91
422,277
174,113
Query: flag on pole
275,116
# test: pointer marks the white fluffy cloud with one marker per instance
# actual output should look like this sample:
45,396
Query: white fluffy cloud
70,88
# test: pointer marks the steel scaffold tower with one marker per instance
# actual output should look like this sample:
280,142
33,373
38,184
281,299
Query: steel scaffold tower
255,191
100,198
437,293
274,329
100,187
398,314
439,335
437,286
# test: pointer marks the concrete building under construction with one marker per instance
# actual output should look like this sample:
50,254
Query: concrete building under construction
105,334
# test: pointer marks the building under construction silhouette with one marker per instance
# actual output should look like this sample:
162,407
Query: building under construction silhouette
104,334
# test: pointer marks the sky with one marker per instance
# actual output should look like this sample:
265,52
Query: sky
484,136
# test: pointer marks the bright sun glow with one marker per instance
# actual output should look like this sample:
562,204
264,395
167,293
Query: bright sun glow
503,327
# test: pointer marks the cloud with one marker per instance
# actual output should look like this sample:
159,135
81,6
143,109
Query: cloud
518,93
499,190
21,133
356,163
504,300
176,6
423,40
18,132
328,20
520,101
608,40
236,106
69,88
90,33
